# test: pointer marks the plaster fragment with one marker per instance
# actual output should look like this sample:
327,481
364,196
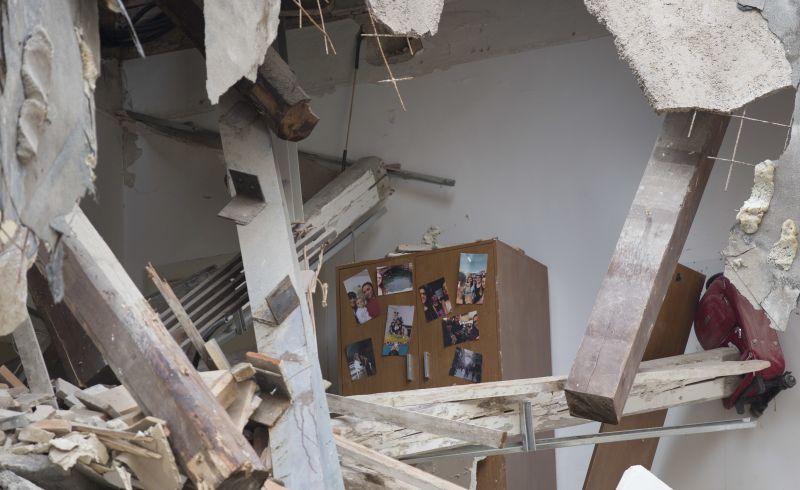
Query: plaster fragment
237,35
36,72
754,208
412,17
90,71
778,305
17,254
706,55
783,252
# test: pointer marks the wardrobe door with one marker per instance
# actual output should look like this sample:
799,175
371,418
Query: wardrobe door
437,357
394,371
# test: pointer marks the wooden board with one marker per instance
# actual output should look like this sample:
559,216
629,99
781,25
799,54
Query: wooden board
391,371
646,255
670,335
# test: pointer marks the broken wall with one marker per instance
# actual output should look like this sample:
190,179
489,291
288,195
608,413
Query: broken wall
576,146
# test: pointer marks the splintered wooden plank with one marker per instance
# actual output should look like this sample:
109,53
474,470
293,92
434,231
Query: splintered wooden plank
9,378
183,318
30,353
646,255
418,421
150,364
390,467
669,338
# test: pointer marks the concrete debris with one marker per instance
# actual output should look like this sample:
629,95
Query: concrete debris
78,447
705,55
235,53
749,216
411,17
783,252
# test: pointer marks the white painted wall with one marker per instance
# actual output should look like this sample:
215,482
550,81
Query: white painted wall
547,147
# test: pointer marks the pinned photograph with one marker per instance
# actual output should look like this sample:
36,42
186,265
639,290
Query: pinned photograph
398,330
467,365
435,299
395,279
457,329
361,359
472,279
362,298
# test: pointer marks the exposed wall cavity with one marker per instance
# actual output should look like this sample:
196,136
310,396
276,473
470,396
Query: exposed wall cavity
412,17
705,55
233,53
753,209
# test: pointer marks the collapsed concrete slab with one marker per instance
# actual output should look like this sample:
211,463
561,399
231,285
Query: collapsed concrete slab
705,55
237,35
411,17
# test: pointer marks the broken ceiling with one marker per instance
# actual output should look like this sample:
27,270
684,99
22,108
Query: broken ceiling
707,55
411,17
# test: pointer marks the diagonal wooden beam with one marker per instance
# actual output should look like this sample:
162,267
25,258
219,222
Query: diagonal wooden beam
669,338
647,252
150,364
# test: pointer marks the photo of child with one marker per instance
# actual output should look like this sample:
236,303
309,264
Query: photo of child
467,365
360,359
361,297
395,279
472,279
457,329
398,330
435,299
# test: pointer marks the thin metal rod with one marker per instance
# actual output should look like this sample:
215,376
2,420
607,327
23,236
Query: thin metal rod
333,163
571,441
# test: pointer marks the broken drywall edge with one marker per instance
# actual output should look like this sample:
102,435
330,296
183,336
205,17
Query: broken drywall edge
783,252
696,55
237,36
749,216
411,17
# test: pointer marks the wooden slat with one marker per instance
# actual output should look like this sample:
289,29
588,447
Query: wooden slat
669,338
418,421
150,364
30,354
646,255
384,465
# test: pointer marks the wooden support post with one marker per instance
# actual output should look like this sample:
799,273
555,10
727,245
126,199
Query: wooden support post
276,93
30,353
669,338
645,258
150,364
301,442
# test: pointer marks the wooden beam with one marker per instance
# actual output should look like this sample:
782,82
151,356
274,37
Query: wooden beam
30,354
150,364
276,93
390,467
183,318
418,421
301,443
646,255
670,335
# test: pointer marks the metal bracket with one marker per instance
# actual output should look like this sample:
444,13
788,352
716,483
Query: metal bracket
528,442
